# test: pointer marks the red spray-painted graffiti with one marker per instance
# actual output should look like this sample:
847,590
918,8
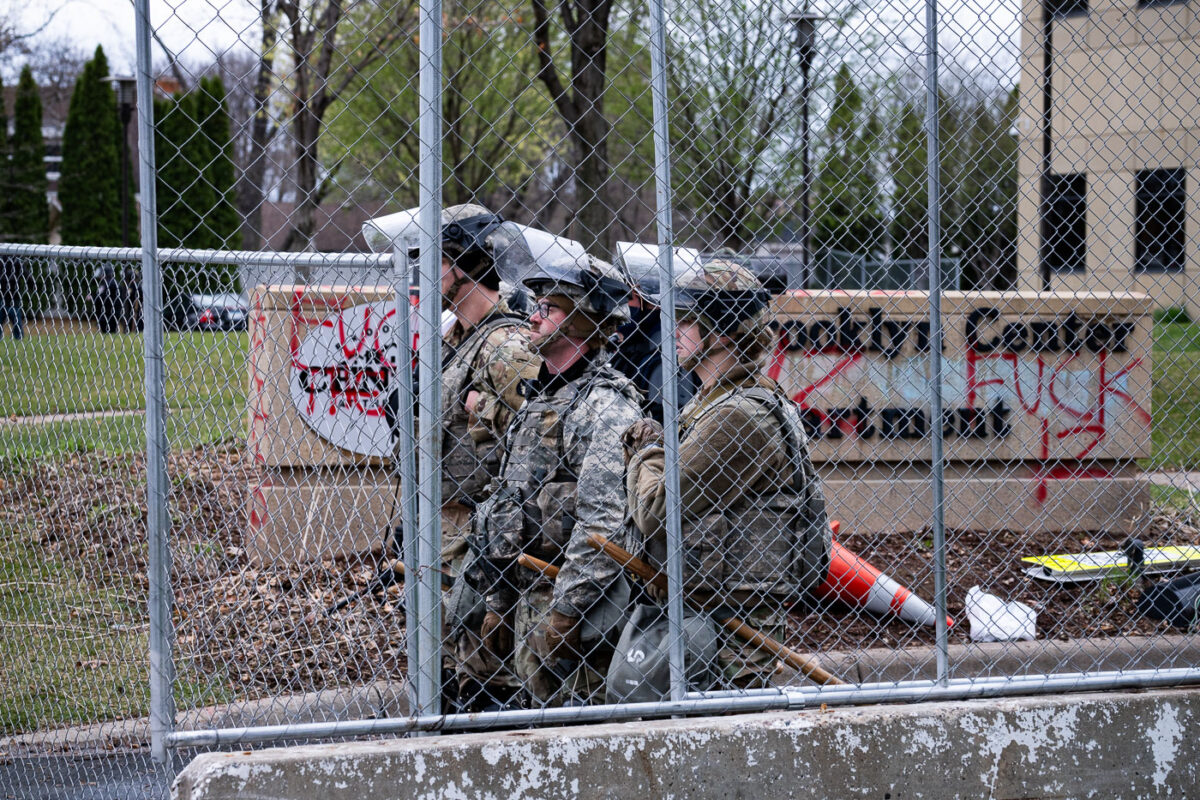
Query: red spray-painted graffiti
342,360
1070,381
1091,422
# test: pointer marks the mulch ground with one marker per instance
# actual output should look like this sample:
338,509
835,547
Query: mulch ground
992,561
246,630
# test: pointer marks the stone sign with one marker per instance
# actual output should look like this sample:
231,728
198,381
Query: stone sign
1046,407
319,364
340,375
1045,404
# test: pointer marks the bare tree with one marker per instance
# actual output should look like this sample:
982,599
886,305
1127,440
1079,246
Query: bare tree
56,64
579,99
251,185
320,70
19,36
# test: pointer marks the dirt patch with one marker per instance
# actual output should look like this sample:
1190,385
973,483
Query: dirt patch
247,631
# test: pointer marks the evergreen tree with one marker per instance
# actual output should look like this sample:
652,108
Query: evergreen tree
177,219
910,188
7,230
978,183
89,187
198,153
29,216
30,219
223,221
197,205
847,213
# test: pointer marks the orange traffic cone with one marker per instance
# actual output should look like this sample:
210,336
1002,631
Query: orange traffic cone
857,583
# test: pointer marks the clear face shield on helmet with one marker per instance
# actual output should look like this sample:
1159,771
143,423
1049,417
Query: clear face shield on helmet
550,264
640,262
466,229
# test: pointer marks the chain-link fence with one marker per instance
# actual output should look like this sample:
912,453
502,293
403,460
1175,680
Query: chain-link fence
753,356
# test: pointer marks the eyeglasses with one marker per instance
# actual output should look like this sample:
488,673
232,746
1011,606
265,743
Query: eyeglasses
544,307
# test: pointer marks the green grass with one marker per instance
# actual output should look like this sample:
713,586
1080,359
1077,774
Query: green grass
1173,497
73,641
1176,397
73,646
81,373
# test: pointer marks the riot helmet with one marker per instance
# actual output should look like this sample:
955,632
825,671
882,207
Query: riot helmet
727,300
597,288
598,291
467,243
640,262
471,239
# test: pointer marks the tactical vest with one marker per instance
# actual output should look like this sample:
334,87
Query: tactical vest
467,464
533,510
770,543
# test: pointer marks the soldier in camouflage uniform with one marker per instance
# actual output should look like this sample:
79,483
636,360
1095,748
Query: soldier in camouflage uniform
486,363
755,533
561,481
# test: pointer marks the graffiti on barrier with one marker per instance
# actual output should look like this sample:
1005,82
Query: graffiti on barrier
1045,390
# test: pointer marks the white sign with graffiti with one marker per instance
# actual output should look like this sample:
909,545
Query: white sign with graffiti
341,377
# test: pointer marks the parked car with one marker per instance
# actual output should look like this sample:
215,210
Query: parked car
225,311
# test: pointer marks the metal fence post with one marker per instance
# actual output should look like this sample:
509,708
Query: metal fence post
666,272
429,361
404,451
937,457
158,521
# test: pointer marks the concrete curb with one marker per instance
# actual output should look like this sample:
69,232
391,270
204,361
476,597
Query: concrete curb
389,698
1043,656
1088,745
379,699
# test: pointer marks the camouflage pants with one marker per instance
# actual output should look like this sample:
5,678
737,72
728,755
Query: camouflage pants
456,524
743,665
464,652
552,682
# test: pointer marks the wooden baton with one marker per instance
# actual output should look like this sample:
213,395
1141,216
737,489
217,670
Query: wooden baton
737,627
537,565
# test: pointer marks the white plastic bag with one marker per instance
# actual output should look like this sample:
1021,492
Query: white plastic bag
994,620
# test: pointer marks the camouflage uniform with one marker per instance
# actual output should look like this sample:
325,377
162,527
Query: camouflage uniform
493,359
755,533
560,482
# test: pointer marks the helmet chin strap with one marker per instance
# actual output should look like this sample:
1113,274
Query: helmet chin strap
449,298
709,342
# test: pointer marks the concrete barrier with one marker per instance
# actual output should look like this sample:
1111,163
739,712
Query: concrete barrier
1113,745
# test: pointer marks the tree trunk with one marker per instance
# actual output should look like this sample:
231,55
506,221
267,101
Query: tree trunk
582,109
592,225
305,128
250,192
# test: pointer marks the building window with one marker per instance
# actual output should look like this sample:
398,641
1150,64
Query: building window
1064,223
1066,8
1157,3
1159,220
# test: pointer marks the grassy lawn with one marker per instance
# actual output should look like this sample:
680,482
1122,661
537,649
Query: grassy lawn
73,645
73,636
1176,397
81,373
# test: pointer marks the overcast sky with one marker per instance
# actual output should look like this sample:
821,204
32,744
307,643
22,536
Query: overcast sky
196,29
973,31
